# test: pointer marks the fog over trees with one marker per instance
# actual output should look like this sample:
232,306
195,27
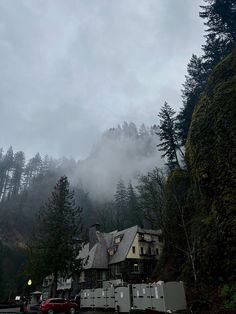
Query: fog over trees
123,154
178,176
104,187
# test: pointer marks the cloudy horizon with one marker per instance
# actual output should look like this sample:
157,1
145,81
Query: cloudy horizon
72,69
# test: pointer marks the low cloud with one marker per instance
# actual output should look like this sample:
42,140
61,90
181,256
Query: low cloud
72,69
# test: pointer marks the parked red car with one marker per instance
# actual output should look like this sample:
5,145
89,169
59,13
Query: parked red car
58,305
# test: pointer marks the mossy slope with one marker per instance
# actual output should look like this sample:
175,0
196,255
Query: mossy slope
211,158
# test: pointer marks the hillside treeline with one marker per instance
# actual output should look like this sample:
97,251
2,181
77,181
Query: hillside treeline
198,216
192,200
25,185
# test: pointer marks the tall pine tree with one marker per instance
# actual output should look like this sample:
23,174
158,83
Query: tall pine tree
195,81
168,136
121,205
220,16
134,214
19,161
59,223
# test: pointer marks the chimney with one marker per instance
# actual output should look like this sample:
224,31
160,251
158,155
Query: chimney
92,235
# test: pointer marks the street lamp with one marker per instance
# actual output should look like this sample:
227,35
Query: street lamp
29,283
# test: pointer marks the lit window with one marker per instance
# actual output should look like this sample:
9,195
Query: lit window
134,268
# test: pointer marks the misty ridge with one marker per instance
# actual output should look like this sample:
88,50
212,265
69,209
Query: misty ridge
119,159
72,68
124,152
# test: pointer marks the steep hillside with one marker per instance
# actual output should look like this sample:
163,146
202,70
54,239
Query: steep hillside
211,157
123,152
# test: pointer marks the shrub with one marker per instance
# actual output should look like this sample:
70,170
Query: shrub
228,295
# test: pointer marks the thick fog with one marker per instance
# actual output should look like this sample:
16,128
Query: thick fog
124,152
72,69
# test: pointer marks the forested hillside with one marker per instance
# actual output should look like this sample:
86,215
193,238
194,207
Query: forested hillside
198,212
123,154
120,160
198,217
210,153
178,176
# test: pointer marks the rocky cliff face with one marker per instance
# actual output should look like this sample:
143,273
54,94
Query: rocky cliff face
211,158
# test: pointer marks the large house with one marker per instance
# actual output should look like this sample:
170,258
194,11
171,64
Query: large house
129,255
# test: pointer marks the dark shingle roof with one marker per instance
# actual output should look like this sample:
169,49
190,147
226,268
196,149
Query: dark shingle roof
98,257
125,244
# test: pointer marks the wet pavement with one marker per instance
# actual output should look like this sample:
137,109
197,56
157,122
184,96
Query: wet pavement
11,310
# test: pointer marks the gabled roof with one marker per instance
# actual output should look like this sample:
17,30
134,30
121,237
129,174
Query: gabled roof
125,244
98,258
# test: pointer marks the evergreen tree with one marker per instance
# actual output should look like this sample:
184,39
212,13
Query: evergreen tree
133,130
19,161
45,165
220,41
215,49
221,31
221,18
59,222
106,214
168,136
125,129
1,154
6,168
121,205
32,169
195,82
134,213
142,132
151,197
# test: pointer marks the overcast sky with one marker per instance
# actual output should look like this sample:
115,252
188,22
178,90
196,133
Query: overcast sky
70,69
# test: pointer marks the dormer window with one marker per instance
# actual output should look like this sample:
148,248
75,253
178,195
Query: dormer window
118,239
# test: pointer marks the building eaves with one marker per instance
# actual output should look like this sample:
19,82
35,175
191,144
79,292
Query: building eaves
150,231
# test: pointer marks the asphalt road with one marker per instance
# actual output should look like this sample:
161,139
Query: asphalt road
17,310
11,310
